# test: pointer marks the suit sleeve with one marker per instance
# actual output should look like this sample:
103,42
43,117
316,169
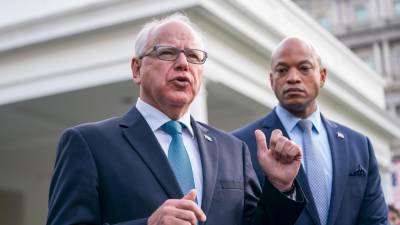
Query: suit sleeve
74,189
373,209
269,206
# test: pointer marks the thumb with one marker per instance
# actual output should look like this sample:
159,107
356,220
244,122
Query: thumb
262,150
191,195
261,142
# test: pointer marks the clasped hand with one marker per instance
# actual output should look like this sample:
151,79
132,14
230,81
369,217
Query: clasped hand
178,211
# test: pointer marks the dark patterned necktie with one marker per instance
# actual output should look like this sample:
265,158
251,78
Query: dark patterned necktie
315,173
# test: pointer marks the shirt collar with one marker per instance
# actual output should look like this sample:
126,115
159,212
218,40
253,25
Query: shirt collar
289,121
155,118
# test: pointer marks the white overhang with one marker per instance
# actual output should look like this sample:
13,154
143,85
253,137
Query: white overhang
259,25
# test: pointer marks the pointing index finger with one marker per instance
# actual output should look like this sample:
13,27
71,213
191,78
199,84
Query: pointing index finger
275,135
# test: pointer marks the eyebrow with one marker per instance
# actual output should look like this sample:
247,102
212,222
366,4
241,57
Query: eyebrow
306,61
280,64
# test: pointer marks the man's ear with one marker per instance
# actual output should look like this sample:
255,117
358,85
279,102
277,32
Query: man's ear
271,81
322,76
135,67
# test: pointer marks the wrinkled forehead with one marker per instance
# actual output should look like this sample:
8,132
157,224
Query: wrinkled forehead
175,32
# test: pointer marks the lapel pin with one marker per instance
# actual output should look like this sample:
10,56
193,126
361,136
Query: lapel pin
340,135
208,138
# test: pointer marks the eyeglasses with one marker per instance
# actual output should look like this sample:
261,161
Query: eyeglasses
171,53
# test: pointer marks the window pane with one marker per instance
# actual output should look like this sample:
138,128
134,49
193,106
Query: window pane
361,14
397,7
367,55
324,22
396,60
398,110
369,61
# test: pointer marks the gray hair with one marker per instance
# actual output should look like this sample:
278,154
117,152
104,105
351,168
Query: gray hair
145,33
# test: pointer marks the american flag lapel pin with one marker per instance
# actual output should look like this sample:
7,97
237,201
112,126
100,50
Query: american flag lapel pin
208,138
340,135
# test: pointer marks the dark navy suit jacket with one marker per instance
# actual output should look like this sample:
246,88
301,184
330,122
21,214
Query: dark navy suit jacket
356,196
115,172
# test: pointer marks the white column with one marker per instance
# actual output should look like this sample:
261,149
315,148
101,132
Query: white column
388,8
373,12
377,58
387,60
344,11
335,15
199,106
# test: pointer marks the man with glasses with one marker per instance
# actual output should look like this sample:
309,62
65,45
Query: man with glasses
156,165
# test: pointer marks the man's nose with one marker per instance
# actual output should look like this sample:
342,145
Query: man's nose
293,75
181,62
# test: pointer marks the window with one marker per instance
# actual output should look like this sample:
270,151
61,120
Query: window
361,14
395,55
397,110
366,54
369,61
396,5
324,22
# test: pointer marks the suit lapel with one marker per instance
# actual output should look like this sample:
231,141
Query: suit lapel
272,122
209,160
138,133
339,152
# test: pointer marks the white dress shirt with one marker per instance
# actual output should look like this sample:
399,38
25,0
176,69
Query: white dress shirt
155,119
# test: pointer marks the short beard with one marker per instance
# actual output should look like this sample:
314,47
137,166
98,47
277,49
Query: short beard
298,110
296,107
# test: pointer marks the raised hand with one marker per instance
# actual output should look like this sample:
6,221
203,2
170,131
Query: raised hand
281,162
178,211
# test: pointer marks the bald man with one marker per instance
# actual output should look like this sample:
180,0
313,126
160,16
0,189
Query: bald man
339,172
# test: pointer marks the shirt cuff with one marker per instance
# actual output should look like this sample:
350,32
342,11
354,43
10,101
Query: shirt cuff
291,193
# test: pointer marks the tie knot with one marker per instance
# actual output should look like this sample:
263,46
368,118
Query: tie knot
172,127
305,124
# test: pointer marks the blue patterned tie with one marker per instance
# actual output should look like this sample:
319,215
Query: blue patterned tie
314,169
178,157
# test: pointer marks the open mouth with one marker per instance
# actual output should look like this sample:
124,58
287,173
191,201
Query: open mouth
181,81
